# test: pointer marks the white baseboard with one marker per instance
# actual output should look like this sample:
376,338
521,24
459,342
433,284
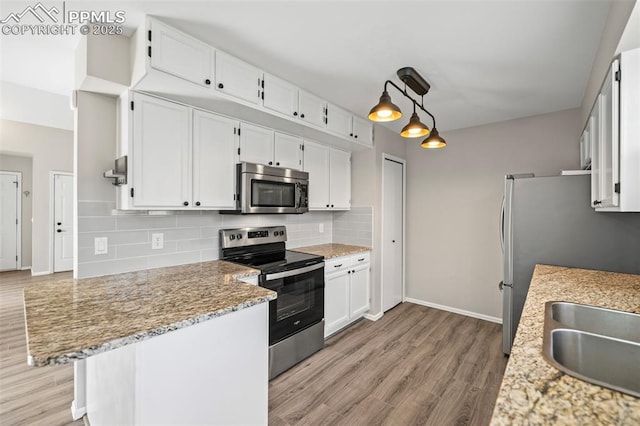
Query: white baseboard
24,268
372,317
77,412
455,310
36,274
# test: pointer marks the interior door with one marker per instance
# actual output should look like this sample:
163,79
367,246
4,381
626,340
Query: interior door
63,223
9,223
392,235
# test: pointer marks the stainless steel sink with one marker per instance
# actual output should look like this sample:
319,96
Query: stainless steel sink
598,345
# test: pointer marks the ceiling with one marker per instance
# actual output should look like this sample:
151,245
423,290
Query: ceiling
486,61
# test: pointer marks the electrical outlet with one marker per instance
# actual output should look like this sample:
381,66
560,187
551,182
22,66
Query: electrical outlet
157,241
321,228
101,245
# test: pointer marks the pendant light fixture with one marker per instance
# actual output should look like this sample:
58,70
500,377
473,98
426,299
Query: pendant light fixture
386,110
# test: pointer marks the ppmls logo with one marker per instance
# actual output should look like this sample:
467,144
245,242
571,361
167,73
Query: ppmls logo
33,10
40,20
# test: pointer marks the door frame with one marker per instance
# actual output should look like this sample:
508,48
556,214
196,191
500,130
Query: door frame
402,161
18,176
52,216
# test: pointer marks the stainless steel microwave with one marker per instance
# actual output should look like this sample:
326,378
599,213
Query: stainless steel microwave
264,189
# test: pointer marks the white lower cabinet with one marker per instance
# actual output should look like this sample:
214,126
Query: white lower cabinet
346,291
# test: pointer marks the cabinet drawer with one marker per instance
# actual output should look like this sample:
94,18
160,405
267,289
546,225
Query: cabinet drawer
360,258
337,264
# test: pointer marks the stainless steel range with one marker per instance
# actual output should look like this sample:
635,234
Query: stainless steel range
296,317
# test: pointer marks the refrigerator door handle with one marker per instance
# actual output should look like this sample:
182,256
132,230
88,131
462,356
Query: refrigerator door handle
502,225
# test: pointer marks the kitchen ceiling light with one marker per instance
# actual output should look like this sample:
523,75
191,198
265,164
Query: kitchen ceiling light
385,110
415,128
434,140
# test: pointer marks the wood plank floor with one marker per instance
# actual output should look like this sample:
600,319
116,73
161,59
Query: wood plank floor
416,365
28,396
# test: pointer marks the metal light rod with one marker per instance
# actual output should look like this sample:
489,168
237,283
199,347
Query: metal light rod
415,103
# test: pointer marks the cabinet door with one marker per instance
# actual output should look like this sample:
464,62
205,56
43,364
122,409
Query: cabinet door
363,131
609,151
340,180
316,163
336,302
359,291
238,78
280,95
161,153
256,144
339,120
214,161
585,152
288,151
181,55
596,161
312,108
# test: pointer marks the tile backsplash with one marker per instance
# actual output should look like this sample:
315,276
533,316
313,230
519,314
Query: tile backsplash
189,237
354,226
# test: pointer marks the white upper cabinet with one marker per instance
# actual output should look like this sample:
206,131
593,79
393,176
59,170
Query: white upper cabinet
280,95
288,151
362,131
339,120
214,160
179,54
614,131
238,78
256,144
312,109
161,153
316,163
340,179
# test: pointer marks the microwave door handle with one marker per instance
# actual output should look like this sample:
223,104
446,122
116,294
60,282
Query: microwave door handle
298,195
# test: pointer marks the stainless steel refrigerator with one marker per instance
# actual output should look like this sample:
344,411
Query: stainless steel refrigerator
548,220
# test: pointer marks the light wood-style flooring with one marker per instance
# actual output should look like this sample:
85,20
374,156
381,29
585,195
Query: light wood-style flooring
414,366
28,395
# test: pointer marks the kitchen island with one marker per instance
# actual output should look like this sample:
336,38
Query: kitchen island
534,392
177,345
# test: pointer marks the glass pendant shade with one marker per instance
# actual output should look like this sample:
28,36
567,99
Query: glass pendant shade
434,140
415,128
385,110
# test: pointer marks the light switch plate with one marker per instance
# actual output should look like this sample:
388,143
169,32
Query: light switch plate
157,241
101,245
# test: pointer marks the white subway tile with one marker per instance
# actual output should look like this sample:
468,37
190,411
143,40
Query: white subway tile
86,239
96,269
145,222
94,224
135,250
174,259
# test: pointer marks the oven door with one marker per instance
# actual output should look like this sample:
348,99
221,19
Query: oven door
300,301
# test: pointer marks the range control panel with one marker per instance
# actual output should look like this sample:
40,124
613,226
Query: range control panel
241,237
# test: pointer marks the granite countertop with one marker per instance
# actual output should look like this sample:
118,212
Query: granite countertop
534,392
330,251
71,319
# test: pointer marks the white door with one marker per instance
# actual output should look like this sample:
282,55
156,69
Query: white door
339,120
256,144
392,238
161,153
181,55
280,95
238,78
63,222
10,190
359,291
214,160
312,108
336,302
340,180
316,163
288,151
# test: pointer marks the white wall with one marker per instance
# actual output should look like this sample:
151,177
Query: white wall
29,105
24,165
454,195
51,150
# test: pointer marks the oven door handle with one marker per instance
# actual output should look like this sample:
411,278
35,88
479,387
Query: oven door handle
293,272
